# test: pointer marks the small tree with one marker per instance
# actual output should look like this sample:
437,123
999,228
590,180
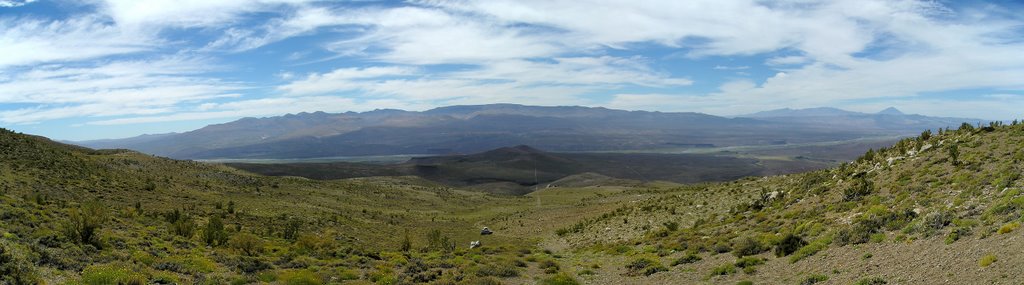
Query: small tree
84,223
406,243
247,243
15,267
437,241
859,187
184,226
954,154
214,234
789,244
291,229
747,246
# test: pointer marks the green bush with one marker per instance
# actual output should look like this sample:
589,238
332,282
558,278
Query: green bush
560,279
789,244
1008,228
214,234
291,229
111,274
858,188
686,259
497,270
184,226
814,279
855,234
247,243
747,246
871,281
671,226
299,277
644,266
83,224
725,269
749,262
14,266
987,260
810,249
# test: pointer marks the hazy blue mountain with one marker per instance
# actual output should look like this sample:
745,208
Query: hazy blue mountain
471,129
809,112
890,120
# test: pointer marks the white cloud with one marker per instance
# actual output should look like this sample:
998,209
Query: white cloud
723,67
14,3
26,41
109,89
559,81
787,60
159,14
128,59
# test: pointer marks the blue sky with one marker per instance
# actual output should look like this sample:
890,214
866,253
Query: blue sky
94,69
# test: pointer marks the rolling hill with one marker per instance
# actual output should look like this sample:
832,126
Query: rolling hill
949,202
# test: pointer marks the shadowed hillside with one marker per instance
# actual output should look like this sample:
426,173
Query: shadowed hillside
522,169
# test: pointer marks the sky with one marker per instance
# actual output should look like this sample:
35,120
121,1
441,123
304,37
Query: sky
91,69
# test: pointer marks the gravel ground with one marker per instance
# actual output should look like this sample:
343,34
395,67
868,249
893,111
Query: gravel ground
920,262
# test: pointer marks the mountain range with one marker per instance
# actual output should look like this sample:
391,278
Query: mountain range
477,128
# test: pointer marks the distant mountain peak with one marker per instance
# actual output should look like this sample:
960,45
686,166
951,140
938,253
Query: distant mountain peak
890,111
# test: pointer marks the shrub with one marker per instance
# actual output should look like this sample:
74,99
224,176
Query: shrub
193,264
871,281
747,246
250,265
814,279
84,223
644,266
184,226
987,260
214,234
291,229
437,241
247,243
855,234
497,270
749,262
14,266
111,274
789,244
481,281
956,234
299,277
939,219
725,269
877,238
671,226
810,249
1007,228
560,279
549,266
686,259
859,188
